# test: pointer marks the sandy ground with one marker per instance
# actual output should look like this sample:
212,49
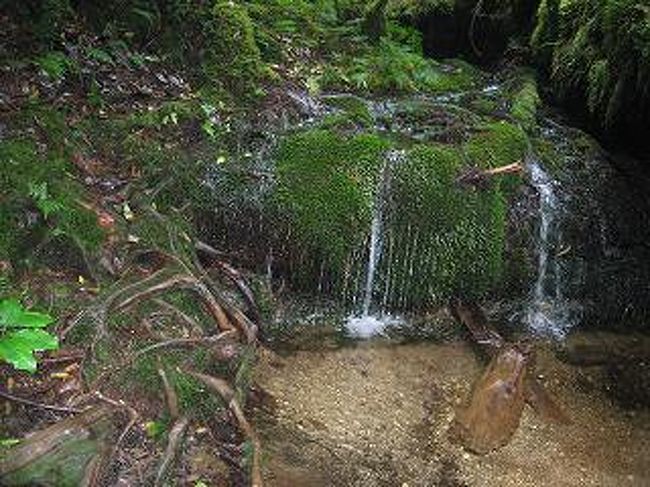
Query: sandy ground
377,415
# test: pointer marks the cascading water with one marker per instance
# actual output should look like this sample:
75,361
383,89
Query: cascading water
365,324
548,313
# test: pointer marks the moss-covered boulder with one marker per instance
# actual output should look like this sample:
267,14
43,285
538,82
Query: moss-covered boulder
232,57
442,239
438,238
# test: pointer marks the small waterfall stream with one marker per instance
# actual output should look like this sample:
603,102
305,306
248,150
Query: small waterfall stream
366,324
548,313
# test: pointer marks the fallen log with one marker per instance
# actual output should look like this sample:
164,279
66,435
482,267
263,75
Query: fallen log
493,414
63,454
494,410
480,177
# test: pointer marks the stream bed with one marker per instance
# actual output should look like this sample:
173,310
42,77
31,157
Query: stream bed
377,414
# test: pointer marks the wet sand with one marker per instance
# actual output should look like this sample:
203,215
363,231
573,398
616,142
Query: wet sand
378,414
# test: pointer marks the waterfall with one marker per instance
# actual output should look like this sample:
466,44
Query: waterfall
364,324
548,313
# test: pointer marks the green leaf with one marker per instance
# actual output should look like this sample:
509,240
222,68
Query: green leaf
17,347
12,315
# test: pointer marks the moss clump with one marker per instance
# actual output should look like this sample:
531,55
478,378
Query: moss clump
525,103
442,239
354,107
498,144
326,185
232,57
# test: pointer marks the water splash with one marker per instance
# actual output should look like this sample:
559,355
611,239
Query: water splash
549,313
366,324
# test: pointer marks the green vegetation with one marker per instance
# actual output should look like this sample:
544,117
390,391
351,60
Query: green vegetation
525,103
22,334
393,67
29,178
442,239
326,184
599,52
232,56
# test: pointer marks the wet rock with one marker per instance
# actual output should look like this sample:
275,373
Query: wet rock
629,383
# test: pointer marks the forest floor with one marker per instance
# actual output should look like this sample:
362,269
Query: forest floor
378,413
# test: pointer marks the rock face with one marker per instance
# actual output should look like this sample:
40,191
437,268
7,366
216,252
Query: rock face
493,414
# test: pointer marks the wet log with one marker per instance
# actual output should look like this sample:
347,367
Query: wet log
493,413
64,454
480,177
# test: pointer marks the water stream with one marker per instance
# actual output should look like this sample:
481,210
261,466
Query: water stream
548,313
371,321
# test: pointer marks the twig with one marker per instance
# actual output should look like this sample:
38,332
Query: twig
28,402
173,445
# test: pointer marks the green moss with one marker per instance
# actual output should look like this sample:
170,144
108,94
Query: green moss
525,103
498,144
354,107
326,185
232,57
442,239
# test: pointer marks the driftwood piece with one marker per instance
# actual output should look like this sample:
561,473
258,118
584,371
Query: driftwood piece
60,455
493,415
494,410
480,177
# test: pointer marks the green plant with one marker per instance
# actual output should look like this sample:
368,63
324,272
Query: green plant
22,334
55,64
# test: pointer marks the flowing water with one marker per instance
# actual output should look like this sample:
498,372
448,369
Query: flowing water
366,324
548,313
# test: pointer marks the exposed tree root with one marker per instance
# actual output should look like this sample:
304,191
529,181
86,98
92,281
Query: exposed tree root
170,394
171,452
223,389
38,405
177,342
234,276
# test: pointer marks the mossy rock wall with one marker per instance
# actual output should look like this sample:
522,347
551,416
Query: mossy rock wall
438,238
